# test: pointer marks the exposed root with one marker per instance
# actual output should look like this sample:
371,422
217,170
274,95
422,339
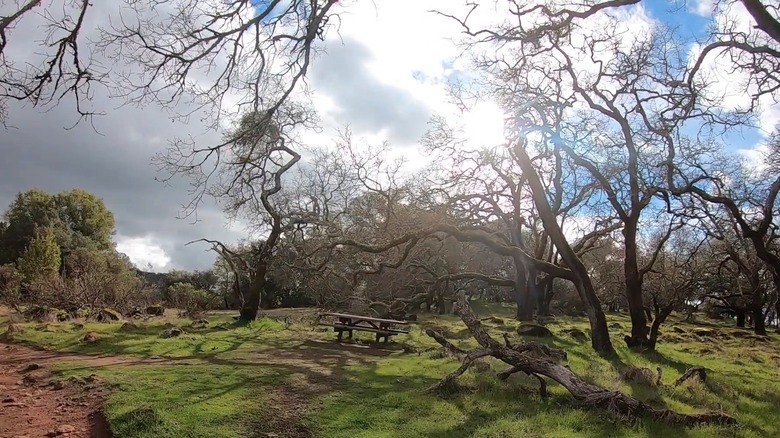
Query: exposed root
542,361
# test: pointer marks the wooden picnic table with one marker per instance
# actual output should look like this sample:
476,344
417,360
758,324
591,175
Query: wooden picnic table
383,328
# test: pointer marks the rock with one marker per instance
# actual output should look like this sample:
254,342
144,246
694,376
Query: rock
577,334
172,332
30,367
136,313
641,375
9,399
199,324
63,429
129,327
534,330
44,314
109,315
616,325
57,385
90,338
156,310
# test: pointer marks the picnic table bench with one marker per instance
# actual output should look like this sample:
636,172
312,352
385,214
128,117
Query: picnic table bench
383,328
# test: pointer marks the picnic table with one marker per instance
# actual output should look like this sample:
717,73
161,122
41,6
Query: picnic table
383,328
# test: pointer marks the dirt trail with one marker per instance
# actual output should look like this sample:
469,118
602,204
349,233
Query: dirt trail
37,403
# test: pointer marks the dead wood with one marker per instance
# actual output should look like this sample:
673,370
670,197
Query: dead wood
542,361
690,373
458,353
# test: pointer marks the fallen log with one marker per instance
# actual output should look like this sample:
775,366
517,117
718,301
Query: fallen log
690,373
542,361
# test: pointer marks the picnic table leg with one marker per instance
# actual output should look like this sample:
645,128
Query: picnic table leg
341,333
350,334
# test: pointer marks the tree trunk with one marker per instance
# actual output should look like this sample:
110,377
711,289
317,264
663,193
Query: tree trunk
545,297
636,307
598,322
740,317
660,317
523,298
251,303
759,323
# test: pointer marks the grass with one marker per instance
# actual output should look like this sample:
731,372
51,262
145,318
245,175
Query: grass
235,379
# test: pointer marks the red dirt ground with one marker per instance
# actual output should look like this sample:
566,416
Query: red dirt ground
37,403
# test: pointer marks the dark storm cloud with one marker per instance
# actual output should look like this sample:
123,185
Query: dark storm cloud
37,152
116,166
363,101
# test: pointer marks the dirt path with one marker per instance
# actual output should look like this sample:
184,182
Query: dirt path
34,402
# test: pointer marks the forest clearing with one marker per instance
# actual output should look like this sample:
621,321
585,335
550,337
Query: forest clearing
283,376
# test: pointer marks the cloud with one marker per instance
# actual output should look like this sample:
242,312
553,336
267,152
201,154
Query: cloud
361,99
143,252
703,8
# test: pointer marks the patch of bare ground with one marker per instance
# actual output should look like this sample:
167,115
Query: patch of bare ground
35,402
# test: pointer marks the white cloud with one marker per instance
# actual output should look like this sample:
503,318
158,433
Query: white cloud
143,251
704,8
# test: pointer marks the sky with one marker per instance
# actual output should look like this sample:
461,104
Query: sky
384,73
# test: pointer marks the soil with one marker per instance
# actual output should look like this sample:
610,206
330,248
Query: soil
35,402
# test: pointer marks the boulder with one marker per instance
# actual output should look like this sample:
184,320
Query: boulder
30,367
577,334
156,310
90,338
534,330
136,313
129,327
109,315
200,324
171,332
45,314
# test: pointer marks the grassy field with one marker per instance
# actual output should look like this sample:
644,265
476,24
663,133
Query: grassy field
290,379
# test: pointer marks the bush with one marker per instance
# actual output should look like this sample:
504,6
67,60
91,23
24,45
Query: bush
10,284
189,298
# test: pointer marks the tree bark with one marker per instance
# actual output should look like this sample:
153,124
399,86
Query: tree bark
740,317
523,299
598,322
544,299
757,307
540,360
251,304
636,306
660,317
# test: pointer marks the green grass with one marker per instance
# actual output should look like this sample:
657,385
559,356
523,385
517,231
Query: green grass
229,387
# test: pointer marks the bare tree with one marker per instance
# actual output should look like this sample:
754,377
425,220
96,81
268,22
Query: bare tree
220,57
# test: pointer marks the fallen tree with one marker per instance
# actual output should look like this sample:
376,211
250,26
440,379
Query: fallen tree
541,361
